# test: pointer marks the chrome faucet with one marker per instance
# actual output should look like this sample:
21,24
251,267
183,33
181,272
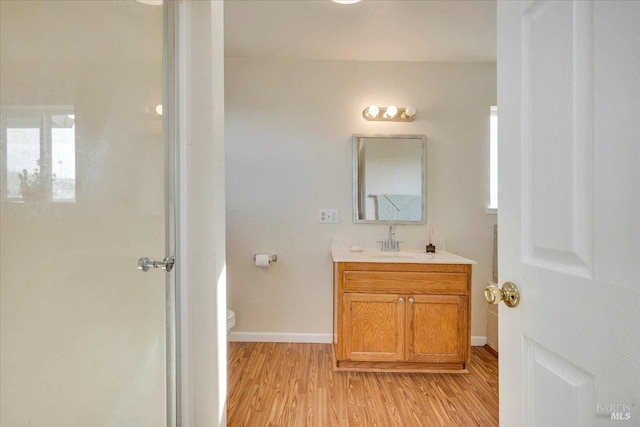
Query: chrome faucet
391,244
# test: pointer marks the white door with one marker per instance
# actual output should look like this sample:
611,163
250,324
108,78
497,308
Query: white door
569,212
86,339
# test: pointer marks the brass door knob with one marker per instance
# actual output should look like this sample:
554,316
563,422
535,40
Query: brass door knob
509,294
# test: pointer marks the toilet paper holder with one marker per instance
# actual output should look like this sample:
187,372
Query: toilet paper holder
272,257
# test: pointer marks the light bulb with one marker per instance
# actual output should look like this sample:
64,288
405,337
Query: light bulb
373,111
410,111
392,110
159,109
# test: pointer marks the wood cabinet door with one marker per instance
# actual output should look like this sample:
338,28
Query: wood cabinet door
437,328
374,327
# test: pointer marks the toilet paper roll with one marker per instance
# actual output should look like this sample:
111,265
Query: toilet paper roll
263,260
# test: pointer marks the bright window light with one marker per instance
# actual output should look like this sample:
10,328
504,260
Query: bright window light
23,152
63,159
493,158
40,140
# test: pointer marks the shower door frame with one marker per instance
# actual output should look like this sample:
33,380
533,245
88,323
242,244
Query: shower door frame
196,368
171,120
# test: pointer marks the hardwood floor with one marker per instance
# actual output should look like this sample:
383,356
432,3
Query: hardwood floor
285,384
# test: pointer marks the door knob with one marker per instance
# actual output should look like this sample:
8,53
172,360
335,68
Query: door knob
509,294
145,264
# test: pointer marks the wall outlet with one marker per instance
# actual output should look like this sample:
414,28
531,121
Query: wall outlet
328,215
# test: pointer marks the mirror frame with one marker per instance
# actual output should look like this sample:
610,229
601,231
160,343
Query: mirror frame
355,196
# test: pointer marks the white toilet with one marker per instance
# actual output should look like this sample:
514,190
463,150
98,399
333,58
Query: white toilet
231,321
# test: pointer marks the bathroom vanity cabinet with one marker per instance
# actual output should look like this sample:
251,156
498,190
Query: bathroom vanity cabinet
402,316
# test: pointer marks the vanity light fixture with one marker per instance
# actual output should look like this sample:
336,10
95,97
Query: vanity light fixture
371,112
389,114
409,112
346,1
155,112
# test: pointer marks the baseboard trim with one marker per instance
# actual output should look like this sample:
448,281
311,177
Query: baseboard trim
280,337
476,341
491,350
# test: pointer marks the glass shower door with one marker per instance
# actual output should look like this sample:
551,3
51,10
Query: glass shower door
83,187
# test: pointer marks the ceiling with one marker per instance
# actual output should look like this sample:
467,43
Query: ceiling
374,30
80,31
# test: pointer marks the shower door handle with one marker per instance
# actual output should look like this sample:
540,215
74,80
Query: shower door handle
144,264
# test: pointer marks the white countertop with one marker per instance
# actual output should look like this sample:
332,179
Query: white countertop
405,256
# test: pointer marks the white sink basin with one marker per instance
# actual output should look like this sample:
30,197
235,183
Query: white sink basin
396,255
404,256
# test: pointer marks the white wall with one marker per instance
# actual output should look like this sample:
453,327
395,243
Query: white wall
288,153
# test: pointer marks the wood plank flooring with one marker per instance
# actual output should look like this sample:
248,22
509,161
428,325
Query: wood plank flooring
285,384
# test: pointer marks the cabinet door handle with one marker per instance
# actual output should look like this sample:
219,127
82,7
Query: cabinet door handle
411,300
400,299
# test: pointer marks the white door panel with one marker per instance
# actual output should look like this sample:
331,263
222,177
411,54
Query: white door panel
569,106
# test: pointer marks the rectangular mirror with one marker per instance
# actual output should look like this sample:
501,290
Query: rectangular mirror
389,179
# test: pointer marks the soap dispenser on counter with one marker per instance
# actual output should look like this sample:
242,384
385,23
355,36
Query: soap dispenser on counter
431,248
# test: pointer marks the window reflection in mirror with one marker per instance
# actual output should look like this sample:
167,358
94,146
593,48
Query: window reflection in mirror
389,179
